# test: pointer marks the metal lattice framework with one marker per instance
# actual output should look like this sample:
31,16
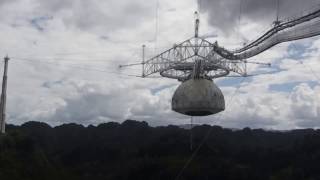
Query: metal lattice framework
197,57
179,61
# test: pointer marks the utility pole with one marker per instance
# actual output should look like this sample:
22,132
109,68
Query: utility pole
4,97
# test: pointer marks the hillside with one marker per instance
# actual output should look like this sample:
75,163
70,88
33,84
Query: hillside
134,150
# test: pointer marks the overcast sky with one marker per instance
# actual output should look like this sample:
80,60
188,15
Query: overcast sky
65,57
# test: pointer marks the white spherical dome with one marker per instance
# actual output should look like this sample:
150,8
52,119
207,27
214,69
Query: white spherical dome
198,97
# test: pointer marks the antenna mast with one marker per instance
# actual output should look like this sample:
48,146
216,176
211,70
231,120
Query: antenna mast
196,33
4,97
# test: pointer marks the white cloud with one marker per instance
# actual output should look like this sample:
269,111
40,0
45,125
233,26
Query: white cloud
73,73
305,106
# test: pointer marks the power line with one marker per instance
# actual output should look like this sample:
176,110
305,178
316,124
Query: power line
206,136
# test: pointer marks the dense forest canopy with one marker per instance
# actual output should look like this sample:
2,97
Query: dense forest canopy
134,150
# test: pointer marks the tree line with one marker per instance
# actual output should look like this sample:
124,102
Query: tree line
134,150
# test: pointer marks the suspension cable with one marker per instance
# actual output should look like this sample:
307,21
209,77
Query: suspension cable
191,133
75,66
277,18
156,27
239,21
307,66
194,154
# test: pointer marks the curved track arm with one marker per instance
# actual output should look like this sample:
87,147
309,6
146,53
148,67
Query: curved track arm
300,31
279,27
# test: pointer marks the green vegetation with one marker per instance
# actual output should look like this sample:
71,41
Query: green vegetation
133,150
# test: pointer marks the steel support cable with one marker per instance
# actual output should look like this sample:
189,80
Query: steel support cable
128,65
311,70
191,134
239,20
278,28
50,62
278,8
107,51
194,154
79,67
300,32
75,59
308,67
156,27
59,59
291,35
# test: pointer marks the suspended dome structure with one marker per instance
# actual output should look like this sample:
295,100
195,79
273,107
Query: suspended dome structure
198,97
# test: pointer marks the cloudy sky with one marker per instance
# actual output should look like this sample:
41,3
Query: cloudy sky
65,57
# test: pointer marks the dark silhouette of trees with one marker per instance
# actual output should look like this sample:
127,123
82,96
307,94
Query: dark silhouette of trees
134,150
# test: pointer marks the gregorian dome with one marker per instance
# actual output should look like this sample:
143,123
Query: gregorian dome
198,97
